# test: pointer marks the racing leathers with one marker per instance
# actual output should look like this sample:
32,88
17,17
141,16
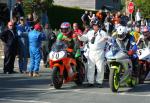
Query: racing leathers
128,44
71,42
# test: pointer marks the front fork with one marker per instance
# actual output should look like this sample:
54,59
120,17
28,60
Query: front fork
127,74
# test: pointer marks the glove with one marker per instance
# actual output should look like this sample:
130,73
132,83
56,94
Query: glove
130,52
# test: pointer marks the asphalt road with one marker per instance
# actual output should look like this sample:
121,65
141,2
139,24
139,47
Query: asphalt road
19,88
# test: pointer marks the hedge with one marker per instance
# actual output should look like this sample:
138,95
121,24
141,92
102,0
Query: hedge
59,14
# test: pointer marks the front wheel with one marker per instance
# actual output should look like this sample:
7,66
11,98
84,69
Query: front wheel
80,73
114,80
57,79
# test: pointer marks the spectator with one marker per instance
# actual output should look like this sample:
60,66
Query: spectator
143,24
124,19
116,19
92,19
108,16
76,29
77,32
119,14
85,19
35,38
108,26
9,37
90,15
29,21
138,17
52,38
99,15
22,30
47,44
136,33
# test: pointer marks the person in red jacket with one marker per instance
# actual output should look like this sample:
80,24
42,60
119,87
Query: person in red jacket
76,29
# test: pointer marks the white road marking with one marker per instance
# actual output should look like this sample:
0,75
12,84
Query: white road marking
25,101
52,89
24,89
117,94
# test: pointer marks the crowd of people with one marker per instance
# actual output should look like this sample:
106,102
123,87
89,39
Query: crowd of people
27,37
17,42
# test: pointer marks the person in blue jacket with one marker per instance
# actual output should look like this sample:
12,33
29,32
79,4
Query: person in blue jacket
36,36
23,42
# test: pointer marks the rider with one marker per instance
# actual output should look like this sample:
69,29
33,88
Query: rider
144,39
126,42
66,35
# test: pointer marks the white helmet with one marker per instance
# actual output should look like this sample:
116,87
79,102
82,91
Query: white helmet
122,32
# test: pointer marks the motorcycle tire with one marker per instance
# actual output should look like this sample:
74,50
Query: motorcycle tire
80,73
142,74
114,80
56,78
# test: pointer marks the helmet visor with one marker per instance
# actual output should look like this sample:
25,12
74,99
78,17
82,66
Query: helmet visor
121,36
64,30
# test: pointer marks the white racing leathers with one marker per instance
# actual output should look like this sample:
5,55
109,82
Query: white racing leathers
95,55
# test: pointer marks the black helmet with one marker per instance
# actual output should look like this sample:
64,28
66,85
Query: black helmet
96,22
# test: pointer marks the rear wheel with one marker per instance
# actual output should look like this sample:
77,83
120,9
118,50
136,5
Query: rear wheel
106,75
114,80
57,79
142,73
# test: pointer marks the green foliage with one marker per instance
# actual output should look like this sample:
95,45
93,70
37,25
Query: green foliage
59,14
27,5
144,6
41,5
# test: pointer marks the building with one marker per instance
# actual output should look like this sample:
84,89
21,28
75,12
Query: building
90,4
8,2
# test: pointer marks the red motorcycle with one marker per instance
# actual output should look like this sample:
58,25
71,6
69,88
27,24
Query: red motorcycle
64,67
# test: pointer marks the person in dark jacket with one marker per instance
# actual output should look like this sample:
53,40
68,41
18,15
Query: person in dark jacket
9,37
85,18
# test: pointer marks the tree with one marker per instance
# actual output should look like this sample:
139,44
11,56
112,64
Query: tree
144,6
37,5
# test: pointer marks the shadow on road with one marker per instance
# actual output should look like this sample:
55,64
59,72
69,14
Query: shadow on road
140,88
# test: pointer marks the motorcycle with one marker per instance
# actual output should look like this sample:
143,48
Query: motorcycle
144,62
64,67
120,67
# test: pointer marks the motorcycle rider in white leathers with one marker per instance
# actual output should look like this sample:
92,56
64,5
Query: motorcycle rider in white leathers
97,40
